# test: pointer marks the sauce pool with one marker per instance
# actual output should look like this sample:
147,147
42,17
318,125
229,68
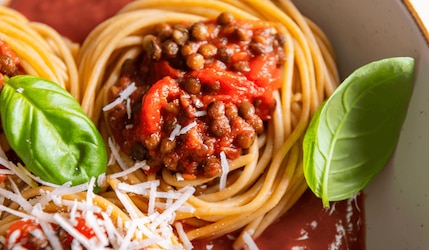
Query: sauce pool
306,226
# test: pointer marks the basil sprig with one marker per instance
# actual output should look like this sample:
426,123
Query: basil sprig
49,131
354,133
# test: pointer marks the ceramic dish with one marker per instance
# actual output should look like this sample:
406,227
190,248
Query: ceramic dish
397,201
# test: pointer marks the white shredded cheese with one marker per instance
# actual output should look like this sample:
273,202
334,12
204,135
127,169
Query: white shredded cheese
16,213
175,132
115,152
129,111
200,113
248,240
137,165
225,170
52,237
66,225
126,93
16,198
188,127
179,177
6,171
182,236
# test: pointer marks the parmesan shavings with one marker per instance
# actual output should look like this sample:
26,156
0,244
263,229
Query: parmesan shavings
225,170
124,95
200,113
182,235
115,152
22,173
138,165
175,132
16,198
248,240
188,127
139,231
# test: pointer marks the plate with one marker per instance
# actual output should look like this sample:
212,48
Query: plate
397,201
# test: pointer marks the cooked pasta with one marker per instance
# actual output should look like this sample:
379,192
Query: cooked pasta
42,50
140,205
263,183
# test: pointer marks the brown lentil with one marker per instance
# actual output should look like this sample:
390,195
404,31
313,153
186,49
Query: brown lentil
180,34
151,46
207,50
245,139
241,66
192,85
225,54
139,152
220,126
152,141
195,61
199,31
225,18
163,31
246,110
189,48
167,145
170,48
216,110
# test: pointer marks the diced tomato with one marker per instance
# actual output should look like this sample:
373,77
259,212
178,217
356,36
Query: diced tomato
28,234
154,100
22,233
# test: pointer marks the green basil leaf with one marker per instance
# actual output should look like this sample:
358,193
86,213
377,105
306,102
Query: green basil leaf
49,131
354,133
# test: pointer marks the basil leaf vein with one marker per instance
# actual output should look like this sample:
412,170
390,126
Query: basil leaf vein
354,133
49,131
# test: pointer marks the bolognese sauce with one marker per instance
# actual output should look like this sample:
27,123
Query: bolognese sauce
9,66
200,89
9,62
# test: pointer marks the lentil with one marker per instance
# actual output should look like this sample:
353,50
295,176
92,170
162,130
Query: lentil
212,80
195,61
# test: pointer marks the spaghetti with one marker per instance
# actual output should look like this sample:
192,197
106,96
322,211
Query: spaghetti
42,51
137,206
266,181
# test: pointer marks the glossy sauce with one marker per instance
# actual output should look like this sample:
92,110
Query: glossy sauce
306,226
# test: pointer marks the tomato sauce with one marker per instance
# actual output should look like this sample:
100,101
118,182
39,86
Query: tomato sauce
28,234
202,89
306,226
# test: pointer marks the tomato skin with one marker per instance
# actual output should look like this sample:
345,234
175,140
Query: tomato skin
20,234
156,98
23,233
2,178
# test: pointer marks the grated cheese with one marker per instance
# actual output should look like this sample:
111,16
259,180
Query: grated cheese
138,165
175,132
183,237
248,240
129,111
115,152
225,170
16,213
179,177
78,236
22,173
16,198
51,236
153,230
200,113
123,95
188,127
